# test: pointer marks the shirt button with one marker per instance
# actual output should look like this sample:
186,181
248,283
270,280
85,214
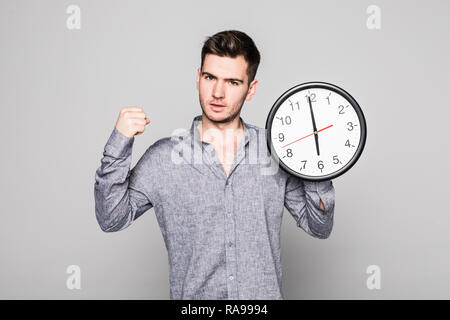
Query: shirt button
231,277
230,244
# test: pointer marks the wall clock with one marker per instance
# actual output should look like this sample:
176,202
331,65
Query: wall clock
316,131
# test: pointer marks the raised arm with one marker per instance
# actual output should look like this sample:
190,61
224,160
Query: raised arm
120,195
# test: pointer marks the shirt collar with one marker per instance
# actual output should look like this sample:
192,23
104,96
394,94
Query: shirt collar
195,134
200,152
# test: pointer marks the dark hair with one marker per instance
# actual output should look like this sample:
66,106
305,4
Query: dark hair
232,43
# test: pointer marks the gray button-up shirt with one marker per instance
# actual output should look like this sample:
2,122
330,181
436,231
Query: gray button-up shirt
222,233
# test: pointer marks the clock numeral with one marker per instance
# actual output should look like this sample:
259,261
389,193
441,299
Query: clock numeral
347,144
328,98
312,96
341,109
304,165
320,165
292,105
336,159
286,120
289,153
351,126
281,137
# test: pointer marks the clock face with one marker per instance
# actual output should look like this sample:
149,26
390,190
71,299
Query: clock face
316,130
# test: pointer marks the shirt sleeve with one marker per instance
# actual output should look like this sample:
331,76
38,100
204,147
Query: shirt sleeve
302,199
120,195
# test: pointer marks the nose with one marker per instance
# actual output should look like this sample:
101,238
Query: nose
218,90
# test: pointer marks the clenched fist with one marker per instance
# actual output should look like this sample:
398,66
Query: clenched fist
132,121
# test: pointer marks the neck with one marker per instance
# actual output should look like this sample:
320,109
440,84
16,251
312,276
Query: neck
220,133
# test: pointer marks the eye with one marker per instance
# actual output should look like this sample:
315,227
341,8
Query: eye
234,83
209,77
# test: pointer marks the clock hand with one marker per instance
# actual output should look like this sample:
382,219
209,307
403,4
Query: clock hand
316,138
307,135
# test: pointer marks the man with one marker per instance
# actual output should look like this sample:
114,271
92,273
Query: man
218,205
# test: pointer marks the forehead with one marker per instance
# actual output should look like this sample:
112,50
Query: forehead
225,67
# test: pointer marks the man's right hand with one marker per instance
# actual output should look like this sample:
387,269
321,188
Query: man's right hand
131,121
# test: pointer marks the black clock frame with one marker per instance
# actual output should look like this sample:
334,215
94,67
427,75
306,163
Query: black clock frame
322,85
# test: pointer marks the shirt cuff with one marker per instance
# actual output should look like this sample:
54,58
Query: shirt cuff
325,191
119,145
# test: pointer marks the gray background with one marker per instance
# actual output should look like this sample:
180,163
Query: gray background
61,92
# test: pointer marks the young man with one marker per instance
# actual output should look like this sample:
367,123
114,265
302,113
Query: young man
218,207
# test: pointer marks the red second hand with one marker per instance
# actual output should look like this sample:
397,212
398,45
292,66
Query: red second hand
307,135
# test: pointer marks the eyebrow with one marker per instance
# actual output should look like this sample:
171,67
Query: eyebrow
231,79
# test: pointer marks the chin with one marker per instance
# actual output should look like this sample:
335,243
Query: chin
217,117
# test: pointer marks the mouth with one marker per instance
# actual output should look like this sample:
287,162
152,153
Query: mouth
216,107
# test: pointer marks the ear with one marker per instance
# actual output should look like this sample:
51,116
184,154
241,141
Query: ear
251,90
198,77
